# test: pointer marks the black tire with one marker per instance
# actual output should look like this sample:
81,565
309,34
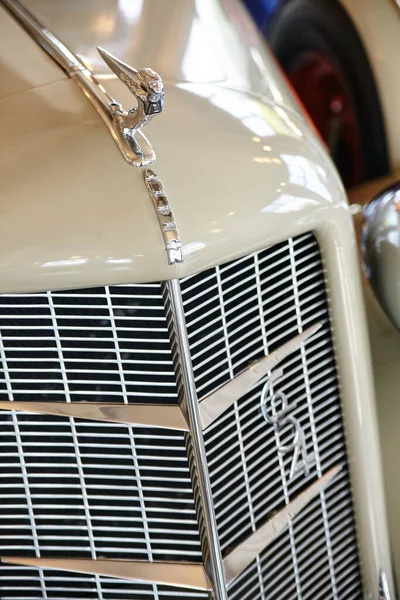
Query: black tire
323,26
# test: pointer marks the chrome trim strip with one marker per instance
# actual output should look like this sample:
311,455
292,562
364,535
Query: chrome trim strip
184,575
244,554
164,415
133,145
191,407
384,592
218,402
151,415
165,217
49,42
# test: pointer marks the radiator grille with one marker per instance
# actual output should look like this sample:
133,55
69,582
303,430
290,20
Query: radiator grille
237,313
71,487
103,344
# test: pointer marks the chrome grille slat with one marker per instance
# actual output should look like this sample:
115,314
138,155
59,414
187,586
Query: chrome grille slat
99,489
61,583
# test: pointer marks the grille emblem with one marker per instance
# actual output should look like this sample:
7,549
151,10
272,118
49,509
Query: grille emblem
276,410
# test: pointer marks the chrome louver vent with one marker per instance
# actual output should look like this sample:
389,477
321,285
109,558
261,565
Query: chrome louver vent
76,488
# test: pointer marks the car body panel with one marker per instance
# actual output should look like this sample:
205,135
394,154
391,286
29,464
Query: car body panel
385,343
109,233
385,347
27,68
183,40
96,240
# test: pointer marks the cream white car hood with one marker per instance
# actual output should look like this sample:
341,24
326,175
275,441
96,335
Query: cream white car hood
241,171
202,41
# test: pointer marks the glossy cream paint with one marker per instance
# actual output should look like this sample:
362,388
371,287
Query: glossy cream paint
242,170
385,345
192,41
23,64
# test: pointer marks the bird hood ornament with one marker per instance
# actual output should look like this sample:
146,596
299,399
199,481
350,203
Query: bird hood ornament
147,87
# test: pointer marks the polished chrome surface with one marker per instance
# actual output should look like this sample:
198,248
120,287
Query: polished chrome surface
247,551
165,217
380,243
218,402
53,46
384,592
147,87
276,410
214,563
153,415
124,126
239,312
190,576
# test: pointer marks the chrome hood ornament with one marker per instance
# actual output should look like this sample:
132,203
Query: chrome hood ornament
147,87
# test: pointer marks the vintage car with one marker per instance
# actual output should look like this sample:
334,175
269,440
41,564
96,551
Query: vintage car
187,405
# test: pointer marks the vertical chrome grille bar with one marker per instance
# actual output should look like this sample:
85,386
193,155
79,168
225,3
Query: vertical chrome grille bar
31,513
131,436
265,346
312,421
79,464
290,527
191,407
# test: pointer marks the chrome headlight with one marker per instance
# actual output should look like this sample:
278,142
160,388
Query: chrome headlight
380,243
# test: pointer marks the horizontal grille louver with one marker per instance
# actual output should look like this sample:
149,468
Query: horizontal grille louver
73,487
